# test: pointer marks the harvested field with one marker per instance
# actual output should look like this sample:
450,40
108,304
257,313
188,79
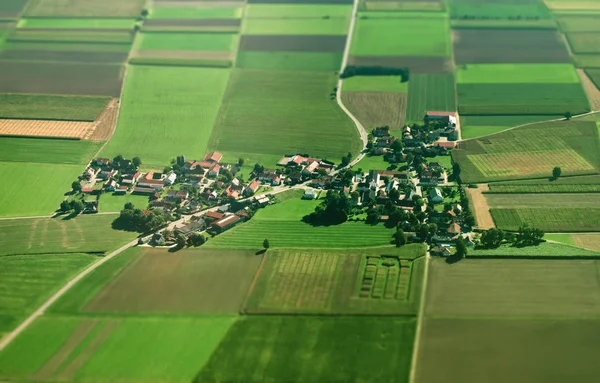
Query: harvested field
356,346
306,43
60,78
480,206
549,219
293,27
429,92
504,350
293,61
105,124
64,56
51,107
415,64
187,23
537,288
84,8
587,241
377,108
45,128
473,46
184,282
531,200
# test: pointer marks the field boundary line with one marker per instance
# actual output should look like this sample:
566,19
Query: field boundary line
9,337
420,316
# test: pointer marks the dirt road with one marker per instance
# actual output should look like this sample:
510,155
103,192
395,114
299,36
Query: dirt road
480,206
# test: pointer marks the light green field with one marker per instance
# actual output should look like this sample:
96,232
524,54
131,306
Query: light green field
58,35
68,47
51,107
84,234
291,11
416,37
579,23
399,14
375,84
544,249
334,26
84,8
166,112
47,151
84,23
292,61
265,112
477,126
372,163
26,281
36,189
110,202
412,6
187,41
517,73
429,92
195,13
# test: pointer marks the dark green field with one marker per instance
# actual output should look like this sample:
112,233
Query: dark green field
24,106
428,93
551,219
47,151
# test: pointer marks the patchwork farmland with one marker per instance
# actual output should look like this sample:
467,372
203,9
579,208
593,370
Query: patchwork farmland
209,96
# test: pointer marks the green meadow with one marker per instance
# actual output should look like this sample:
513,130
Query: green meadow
292,11
47,151
37,106
322,26
476,126
429,92
187,41
517,73
67,46
74,23
290,61
195,13
166,112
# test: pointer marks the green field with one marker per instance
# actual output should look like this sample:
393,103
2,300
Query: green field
37,277
429,92
47,151
517,73
511,9
544,181
197,63
579,23
12,7
187,41
413,6
292,11
416,37
292,61
99,36
51,107
67,46
266,112
372,163
530,152
503,23
543,188
587,61
544,249
195,13
594,74
584,42
303,349
110,202
83,23
166,112
86,233
84,8
322,26
477,126
375,84
550,219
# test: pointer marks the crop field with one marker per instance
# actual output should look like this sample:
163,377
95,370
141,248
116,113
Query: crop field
587,61
44,128
187,41
530,200
262,114
573,5
429,92
415,64
570,23
320,26
84,234
84,8
543,250
531,151
495,46
374,109
584,42
293,43
538,288
195,13
72,23
416,37
472,126
517,73
510,188
37,276
64,56
185,282
60,78
549,219
335,283
503,23
13,149
77,50
403,5
75,349
504,9
375,84
312,345
156,100
293,11
592,91
594,75
292,61
11,8
587,241
51,107
494,344
99,36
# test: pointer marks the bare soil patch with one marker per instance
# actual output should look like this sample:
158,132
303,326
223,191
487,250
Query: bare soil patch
480,206
45,128
293,43
377,108
192,23
183,55
587,241
593,93
472,46
104,126
416,64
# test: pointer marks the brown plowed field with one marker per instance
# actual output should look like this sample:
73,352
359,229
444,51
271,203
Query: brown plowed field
481,209
104,126
193,23
377,108
293,43
45,128
593,94
183,55
416,64
484,46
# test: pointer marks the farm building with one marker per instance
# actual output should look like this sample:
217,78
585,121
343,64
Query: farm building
435,195
309,194
252,188
454,229
214,157
226,223
170,180
191,227
446,117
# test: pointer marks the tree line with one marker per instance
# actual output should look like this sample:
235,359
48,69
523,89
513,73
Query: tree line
351,70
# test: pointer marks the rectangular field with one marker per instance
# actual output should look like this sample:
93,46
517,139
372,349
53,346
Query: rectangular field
51,107
187,41
84,234
75,49
42,151
45,128
544,188
564,200
195,13
264,112
472,126
73,23
301,26
356,346
502,9
549,219
185,282
579,22
377,108
375,84
415,64
84,8
293,43
297,10
158,99
58,35
543,250
11,8
517,73
584,42
292,61
430,92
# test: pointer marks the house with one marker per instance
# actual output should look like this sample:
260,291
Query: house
103,162
90,207
454,229
252,188
130,179
170,180
121,189
320,183
191,227
297,160
262,202
406,131
143,190
243,214
214,157
381,131
310,169
151,184
226,223
445,144
214,171
232,192
110,185
87,189
309,194
107,174
443,250
174,194
212,216
385,142
90,172
449,118
435,195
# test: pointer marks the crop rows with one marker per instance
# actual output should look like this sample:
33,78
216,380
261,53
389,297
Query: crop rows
385,278
549,219
544,188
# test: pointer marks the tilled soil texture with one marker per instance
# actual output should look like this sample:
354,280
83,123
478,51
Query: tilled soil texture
480,206
483,46
416,64
104,126
593,93
293,43
45,128
60,78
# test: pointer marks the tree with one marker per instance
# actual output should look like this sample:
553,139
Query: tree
266,244
423,232
492,237
529,236
117,160
65,206
396,146
568,115
347,159
144,12
461,247
181,241
196,239
76,186
77,206
128,206
556,172
399,238
394,194
240,162
167,233
136,161
456,171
